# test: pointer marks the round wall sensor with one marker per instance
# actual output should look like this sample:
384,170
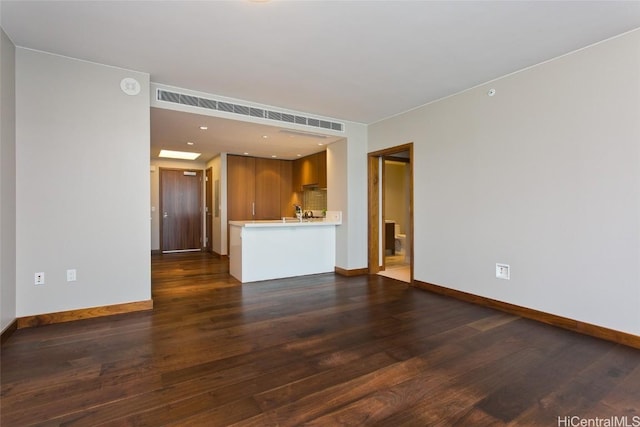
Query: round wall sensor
491,92
130,86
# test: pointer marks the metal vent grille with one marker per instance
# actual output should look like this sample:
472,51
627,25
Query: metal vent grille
245,110
208,103
189,100
168,96
225,106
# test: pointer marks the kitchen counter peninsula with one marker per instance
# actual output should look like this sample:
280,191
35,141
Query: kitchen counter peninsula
264,250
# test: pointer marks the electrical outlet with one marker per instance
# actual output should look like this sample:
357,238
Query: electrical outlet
503,271
71,275
38,279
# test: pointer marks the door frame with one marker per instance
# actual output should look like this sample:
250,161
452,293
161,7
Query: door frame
161,205
208,208
376,198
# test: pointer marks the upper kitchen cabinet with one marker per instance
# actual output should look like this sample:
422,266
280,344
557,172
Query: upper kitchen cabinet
255,188
322,169
310,170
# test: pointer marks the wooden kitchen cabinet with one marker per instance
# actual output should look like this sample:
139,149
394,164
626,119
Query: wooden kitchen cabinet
241,187
267,196
287,197
255,188
322,169
296,175
310,170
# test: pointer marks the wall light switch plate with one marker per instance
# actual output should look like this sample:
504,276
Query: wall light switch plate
71,275
503,271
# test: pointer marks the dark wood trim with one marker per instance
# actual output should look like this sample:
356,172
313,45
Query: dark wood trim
353,272
6,334
382,222
397,159
208,208
374,202
393,150
156,252
83,313
373,246
540,316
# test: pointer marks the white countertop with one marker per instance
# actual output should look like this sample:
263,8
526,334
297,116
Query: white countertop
288,222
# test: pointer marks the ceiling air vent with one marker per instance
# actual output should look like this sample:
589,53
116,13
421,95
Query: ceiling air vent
256,112
168,96
273,115
189,100
241,109
208,103
225,106
288,118
245,110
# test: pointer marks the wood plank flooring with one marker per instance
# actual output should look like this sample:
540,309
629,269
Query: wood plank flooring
318,350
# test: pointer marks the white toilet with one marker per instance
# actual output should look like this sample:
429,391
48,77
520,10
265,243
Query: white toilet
400,240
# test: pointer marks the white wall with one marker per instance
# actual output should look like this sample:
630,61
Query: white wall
7,183
544,176
338,197
82,149
347,192
216,222
156,164
357,210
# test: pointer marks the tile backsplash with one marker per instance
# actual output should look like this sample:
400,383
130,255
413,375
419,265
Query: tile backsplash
315,200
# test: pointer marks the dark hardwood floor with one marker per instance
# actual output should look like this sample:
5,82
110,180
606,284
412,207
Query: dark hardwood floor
317,350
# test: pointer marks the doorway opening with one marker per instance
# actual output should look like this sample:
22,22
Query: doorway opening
391,212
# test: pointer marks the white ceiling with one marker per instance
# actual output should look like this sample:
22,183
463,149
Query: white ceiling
358,61
172,130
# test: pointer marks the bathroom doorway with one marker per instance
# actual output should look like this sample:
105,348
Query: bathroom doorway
391,213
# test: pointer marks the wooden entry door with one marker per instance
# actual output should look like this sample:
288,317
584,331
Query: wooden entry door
181,210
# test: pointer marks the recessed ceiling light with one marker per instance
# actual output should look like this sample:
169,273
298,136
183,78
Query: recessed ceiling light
183,155
204,127
245,153
320,143
265,136
189,143
274,156
299,155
